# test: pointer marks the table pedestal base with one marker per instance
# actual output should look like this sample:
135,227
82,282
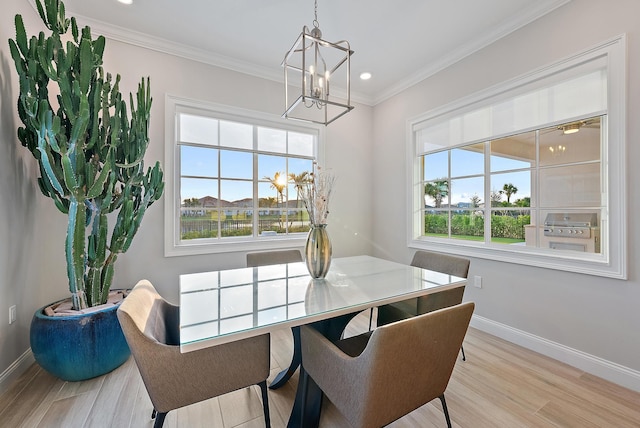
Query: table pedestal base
332,329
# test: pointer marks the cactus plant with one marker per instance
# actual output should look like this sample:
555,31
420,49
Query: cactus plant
89,153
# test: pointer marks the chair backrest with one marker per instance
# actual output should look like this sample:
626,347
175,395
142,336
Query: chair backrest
445,263
174,379
420,352
265,258
404,365
151,314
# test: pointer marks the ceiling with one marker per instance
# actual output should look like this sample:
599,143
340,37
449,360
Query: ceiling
399,42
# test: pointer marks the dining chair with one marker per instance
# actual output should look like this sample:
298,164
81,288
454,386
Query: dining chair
377,377
174,379
264,258
444,263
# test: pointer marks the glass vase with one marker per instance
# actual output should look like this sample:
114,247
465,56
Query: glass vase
318,251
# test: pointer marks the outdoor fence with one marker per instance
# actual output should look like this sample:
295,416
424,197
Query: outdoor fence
194,228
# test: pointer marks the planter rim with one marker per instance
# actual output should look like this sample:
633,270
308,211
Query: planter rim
40,311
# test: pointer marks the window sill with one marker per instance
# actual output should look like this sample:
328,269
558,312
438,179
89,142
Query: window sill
236,245
584,263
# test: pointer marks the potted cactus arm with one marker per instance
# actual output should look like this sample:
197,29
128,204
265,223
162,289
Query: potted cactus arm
90,153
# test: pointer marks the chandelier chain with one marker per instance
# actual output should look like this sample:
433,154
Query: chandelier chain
315,13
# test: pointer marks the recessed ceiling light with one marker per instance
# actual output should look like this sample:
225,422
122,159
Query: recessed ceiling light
365,76
126,1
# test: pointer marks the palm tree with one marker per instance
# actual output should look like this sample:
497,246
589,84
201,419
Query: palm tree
437,190
299,180
509,189
268,202
278,182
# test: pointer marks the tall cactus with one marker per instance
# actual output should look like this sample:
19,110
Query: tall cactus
90,154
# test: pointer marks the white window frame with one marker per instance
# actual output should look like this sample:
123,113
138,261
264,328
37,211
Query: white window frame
611,262
173,246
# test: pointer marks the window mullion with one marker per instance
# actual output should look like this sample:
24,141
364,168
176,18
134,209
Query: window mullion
487,193
256,200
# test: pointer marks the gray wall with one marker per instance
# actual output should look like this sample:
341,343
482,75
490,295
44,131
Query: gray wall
569,313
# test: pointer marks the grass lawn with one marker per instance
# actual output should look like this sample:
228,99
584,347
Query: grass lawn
496,240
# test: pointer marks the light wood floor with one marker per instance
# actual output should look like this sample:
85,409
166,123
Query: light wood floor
500,385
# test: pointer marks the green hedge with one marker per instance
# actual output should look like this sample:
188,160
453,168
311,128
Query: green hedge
502,226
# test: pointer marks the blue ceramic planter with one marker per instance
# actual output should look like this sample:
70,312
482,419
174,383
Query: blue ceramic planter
78,347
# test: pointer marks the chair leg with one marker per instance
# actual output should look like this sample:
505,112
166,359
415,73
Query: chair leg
446,411
464,358
265,403
159,419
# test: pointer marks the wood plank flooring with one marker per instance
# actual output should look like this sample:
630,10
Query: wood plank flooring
500,385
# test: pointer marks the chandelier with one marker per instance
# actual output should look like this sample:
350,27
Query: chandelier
312,67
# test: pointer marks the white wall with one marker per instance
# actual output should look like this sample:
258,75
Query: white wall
586,320
32,270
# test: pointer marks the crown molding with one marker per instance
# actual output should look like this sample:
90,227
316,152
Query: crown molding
527,16
157,44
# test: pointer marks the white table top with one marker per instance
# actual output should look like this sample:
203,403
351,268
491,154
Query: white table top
222,306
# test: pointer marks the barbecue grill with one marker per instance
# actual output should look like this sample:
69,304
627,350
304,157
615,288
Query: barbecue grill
573,225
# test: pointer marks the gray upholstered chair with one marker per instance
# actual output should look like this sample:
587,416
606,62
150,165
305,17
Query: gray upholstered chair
264,258
375,378
451,265
173,379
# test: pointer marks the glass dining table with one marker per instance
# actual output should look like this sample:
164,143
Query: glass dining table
217,307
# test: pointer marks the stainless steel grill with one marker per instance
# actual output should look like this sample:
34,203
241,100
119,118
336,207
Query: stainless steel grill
570,225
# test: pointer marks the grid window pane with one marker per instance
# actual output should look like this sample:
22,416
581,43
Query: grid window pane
467,192
198,161
204,190
436,223
513,188
533,175
514,152
237,135
570,186
272,140
468,225
436,166
557,147
236,194
218,187
467,161
301,144
234,164
269,165
198,129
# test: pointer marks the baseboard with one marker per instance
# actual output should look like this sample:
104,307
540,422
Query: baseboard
596,366
16,369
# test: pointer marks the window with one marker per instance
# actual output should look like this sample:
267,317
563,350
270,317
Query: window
234,179
531,172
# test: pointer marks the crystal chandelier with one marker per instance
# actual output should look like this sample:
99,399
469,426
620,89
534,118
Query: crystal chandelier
311,68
